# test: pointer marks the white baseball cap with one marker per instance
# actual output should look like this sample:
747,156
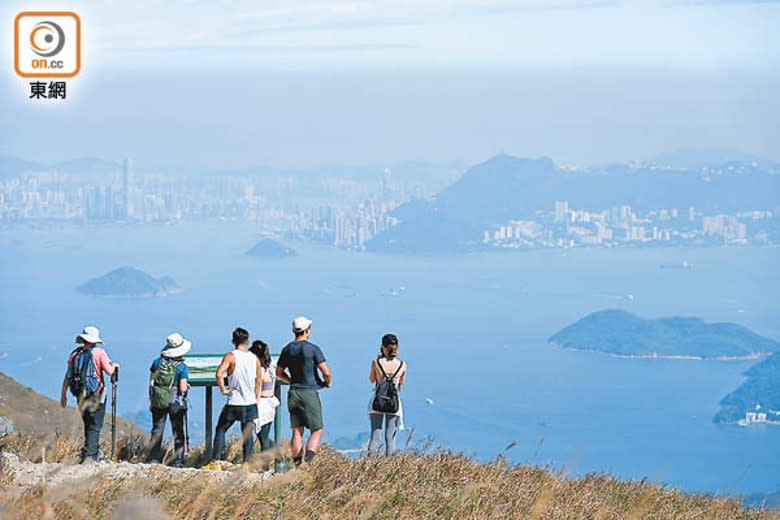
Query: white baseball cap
301,324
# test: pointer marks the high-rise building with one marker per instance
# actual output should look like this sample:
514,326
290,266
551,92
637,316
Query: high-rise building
713,225
561,210
127,187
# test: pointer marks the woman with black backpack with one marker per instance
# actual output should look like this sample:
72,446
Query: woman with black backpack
388,374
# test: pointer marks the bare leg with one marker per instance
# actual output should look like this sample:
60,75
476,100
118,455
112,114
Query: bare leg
297,442
314,441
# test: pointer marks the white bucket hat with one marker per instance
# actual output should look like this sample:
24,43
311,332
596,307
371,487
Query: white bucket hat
89,335
175,346
301,324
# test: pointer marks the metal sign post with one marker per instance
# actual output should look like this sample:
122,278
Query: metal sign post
203,372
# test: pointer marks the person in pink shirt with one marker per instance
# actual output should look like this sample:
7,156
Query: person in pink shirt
84,378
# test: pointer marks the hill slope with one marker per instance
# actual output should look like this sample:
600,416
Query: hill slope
34,413
409,486
762,388
412,485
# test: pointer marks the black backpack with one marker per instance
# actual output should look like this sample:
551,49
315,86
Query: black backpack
386,398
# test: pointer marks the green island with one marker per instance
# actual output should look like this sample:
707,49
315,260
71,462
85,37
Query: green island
129,282
622,334
757,400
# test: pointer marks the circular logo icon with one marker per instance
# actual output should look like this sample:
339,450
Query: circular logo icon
47,39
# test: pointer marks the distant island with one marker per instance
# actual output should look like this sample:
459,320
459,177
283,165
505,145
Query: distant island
622,334
131,282
268,248
757,400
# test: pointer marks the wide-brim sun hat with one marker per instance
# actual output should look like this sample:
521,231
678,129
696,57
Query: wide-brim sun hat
301,324
175,346
90,335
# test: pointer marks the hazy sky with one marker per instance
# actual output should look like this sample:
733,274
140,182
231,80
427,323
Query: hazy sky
302,82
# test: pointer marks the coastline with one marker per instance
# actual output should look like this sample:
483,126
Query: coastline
753,356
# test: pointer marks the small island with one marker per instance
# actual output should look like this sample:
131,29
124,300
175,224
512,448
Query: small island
757,400
130,282
621,334
268,248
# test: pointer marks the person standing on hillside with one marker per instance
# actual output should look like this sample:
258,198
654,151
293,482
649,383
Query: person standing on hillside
244,374
304,360
168,397
267,403
84,378
388,374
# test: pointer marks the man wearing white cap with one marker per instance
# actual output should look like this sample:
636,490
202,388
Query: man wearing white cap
303,360
84,377
168,397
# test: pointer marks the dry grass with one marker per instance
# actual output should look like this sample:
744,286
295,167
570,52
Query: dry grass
437,485
66,447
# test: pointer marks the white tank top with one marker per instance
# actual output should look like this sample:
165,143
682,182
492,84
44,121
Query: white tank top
242,380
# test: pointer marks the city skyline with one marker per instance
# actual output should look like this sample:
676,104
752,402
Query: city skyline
333,208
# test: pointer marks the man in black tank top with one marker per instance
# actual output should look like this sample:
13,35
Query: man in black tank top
305,362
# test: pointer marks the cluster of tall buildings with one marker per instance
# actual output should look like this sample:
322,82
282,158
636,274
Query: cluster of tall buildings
568,227
348,228
277,205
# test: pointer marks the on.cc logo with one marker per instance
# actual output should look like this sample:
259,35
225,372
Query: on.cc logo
47,44
47,39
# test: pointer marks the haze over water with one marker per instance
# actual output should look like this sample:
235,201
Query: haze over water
473,329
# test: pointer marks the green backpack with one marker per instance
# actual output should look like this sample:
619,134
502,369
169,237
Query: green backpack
161,393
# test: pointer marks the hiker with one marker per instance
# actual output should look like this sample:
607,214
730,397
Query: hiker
267,402
168,388
244,375
304,360
84,378
388,374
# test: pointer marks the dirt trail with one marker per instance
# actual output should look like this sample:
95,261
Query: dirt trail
24,475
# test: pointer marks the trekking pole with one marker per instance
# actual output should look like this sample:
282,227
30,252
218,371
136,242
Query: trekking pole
114,381
186,431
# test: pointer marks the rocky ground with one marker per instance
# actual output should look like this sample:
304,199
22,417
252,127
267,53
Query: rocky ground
22,475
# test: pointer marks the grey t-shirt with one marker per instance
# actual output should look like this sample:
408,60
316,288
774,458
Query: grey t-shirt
301,359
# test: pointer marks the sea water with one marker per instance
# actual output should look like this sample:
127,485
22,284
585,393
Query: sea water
473,330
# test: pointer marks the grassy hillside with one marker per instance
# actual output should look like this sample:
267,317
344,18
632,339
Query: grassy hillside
414,485
44,423
439,485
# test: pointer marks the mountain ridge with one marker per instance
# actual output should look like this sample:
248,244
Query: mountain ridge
506,188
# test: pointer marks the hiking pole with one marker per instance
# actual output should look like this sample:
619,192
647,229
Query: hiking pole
186,431
114,381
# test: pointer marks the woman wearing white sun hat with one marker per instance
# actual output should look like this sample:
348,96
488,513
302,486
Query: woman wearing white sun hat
168,397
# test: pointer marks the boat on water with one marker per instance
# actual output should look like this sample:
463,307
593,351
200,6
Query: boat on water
683,265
